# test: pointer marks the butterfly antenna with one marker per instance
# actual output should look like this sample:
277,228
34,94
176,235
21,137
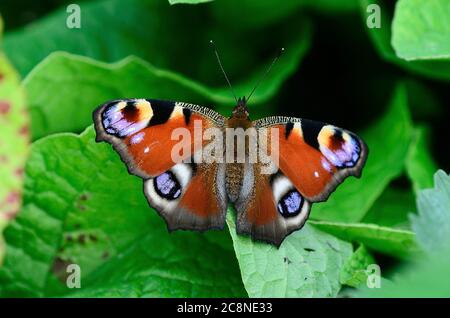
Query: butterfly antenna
222,69
266,72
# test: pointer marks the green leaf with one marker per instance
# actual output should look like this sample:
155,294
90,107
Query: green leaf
394,242
14,141
183,266
385,162
391,209
267,12
428,275
420,29
132,77
425,104
420,166
381,38
188,1
432,223
354,272
155,38
82,207
307,264
151,38
424,278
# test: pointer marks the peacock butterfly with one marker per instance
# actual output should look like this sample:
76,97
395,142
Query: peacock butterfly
309,161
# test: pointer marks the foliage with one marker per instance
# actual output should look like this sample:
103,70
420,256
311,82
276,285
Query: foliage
354,271
80,206
432,224
428,66
13,143
426,277
307,264
420,30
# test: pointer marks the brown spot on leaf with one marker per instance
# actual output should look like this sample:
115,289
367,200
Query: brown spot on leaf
93,238
24,130
84,197
3,159
19,172
105,255
13,197
10,215
81,207
5,107
82,239
59,268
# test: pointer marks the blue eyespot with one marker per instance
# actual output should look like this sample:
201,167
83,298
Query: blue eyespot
290,204
167,186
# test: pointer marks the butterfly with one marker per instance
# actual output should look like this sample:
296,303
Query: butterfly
310,161
314,158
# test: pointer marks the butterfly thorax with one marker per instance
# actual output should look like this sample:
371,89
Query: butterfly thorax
240,112
240,116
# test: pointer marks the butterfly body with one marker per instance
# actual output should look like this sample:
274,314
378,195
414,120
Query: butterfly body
272,194
234,170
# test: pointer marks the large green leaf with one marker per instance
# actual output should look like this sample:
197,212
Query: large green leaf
150,29
421,29
385,162
425,103
432,223
261,13
132,77
13,143
391,208
157,265
420,166
394,242
307,264
422,279
82,207
354,272
381,37
428,275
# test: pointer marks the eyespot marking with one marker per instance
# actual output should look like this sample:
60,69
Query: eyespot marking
167,186
126,117
341,148
290,204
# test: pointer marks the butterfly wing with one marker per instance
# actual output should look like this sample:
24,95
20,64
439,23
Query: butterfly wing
142,132
317,157
269,206
313,159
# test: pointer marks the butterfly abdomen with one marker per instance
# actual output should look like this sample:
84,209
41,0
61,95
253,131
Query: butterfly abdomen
235,169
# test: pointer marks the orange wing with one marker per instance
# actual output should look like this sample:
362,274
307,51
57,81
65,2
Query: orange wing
141,131
272,209
186,194
317,157
312,159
